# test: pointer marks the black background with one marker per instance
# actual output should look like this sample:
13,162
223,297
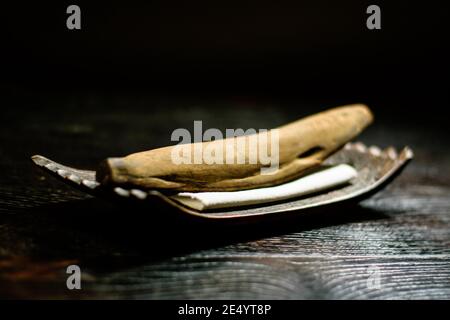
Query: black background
248,64
313,50
137,71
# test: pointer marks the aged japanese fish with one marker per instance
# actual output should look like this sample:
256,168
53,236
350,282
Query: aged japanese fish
302,144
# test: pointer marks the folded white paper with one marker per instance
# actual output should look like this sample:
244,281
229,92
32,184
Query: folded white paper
312,183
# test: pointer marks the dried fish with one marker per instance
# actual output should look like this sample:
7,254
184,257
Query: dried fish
303,144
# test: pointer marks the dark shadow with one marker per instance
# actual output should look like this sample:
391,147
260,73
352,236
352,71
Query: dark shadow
104,234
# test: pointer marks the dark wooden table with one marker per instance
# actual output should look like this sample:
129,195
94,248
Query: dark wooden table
402,234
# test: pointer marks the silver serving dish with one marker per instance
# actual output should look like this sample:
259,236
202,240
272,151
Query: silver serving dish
376,168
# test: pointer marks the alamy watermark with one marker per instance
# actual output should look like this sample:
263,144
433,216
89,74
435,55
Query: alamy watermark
374,280
73,21
373,22
369,279
74,280
248,147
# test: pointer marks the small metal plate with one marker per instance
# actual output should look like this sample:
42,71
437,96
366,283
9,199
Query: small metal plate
376,168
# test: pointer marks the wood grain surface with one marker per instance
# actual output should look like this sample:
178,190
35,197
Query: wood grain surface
402,233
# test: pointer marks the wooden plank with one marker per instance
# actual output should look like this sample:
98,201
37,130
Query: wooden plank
337,277
403,232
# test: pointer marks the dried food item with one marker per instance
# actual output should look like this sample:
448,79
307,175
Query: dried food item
376,168
302,145
308,148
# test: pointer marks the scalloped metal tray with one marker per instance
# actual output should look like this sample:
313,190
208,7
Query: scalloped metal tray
375,167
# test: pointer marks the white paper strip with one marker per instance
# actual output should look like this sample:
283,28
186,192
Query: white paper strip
315,182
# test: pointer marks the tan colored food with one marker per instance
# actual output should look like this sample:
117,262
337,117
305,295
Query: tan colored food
303,144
